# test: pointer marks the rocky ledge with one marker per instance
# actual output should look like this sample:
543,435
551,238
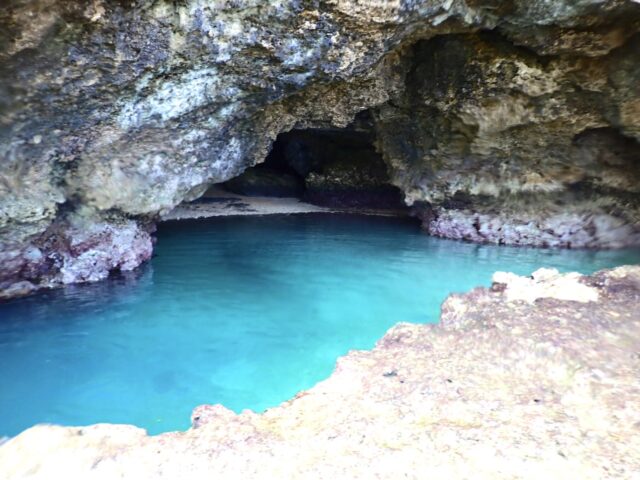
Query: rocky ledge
532,378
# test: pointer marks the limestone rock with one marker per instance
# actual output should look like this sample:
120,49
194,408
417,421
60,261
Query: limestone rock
506,146
545,283
72,252
116,111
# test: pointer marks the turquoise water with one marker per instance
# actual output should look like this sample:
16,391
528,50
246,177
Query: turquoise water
240,311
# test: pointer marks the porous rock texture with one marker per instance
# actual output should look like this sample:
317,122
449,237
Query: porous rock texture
506,121
506,386
505,144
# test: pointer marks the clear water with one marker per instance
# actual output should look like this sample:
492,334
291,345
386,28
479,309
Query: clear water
241,311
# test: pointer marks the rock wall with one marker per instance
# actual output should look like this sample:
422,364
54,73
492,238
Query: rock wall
492,115
500,143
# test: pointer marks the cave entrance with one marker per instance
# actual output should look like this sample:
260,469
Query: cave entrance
330,167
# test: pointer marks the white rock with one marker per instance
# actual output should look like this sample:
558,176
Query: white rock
546,283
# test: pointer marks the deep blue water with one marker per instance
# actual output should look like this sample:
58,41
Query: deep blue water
244,311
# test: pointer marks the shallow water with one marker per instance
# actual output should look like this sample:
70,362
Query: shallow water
240,311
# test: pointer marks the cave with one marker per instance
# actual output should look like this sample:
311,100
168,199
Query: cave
235,239
329,167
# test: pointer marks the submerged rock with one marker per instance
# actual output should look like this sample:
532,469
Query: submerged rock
545,387
530,111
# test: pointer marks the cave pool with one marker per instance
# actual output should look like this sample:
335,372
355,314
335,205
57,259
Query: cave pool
243,311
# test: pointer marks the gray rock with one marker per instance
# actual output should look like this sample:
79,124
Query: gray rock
113,112
534,145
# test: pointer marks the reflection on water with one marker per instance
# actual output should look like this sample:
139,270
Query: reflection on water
243,311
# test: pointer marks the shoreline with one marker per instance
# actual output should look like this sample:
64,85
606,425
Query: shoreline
534,377
225,204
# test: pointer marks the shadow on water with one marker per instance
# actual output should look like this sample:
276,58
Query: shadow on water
63,304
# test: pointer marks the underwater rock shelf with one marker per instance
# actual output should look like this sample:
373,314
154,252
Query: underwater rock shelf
532,378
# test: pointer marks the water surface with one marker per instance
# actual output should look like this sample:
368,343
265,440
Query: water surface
243,311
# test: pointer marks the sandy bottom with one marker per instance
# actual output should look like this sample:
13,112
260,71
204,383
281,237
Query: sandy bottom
220,203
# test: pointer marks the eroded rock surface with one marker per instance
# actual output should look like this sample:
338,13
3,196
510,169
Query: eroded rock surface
514,122
538,388
74,252
495,143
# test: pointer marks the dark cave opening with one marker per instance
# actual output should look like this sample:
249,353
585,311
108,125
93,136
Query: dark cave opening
331,167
